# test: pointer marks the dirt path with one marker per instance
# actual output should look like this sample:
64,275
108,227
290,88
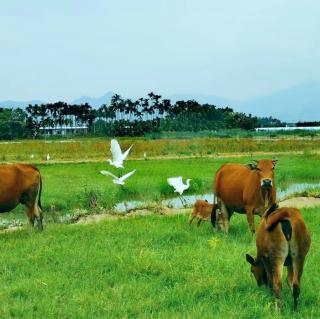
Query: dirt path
301,202
297,202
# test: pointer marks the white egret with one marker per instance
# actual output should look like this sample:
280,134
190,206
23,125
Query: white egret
117,180
145,156
32,156
48,157
178,185
117,156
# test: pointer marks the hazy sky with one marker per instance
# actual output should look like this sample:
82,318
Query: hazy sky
63,49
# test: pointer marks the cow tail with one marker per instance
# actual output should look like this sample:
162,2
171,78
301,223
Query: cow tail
39,194
214,215
282,218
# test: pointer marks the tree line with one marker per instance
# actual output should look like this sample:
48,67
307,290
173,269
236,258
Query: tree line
127,117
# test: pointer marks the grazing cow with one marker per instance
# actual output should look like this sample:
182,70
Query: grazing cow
282,240
246,189
205,211
21,183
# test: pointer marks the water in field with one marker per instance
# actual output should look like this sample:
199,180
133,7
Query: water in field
190,199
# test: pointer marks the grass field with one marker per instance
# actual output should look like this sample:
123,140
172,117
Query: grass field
144,267
81,186
97,149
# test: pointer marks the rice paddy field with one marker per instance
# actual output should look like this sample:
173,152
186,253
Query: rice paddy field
147,266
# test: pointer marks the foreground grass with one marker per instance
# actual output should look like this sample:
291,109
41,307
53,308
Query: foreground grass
145,267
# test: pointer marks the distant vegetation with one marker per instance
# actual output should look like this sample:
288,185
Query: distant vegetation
126,117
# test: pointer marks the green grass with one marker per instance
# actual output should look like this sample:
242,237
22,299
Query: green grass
97,149
74,186
144,267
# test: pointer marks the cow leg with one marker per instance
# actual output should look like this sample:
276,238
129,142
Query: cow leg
250,219
223,217
297,273
31,216
199,222
34,211
39,216
290,276
277,282
191,218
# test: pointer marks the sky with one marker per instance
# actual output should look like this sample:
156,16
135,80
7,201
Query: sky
63,49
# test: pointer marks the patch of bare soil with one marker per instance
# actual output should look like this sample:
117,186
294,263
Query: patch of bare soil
301,202
96,218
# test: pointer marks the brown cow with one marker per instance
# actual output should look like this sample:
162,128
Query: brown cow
246,189
205,211
282,240
21,183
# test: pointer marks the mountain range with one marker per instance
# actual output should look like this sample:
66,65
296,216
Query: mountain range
298,103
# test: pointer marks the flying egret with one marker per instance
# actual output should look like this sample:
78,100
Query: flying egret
118,180
117,156
48,157
179,186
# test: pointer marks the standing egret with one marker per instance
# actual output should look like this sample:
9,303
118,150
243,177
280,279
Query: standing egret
117,156
32,156
145,156
179,186
48,157
117,180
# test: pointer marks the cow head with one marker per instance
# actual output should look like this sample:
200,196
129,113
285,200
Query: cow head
258,270
264,169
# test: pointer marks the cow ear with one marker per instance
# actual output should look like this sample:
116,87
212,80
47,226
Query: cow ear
250,259
252,166
274,162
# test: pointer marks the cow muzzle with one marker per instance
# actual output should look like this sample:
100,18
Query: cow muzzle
266,183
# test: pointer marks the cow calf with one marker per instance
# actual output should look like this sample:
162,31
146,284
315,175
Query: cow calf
282,240
204,211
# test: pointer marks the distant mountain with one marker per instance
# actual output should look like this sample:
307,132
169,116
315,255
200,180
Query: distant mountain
298,103
95,102
16,104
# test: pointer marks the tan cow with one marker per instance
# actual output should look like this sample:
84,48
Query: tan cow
282,240
21,183
246,189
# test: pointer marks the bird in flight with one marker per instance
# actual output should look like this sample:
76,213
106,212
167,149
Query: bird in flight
117,180
117,156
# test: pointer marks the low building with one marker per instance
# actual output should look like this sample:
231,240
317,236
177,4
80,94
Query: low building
64,130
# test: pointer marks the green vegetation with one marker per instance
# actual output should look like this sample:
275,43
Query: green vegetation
81,186
98,149
144,267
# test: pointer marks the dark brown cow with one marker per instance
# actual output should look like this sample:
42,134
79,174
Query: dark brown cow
282,240
21,183
247,189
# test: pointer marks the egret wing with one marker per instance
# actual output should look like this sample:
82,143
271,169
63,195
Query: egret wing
107,173
116,151
125,154
124,177
175,181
